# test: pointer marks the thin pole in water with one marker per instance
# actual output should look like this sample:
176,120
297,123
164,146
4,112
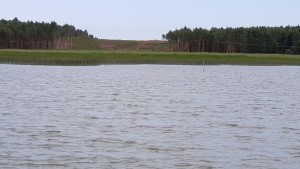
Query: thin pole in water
203,65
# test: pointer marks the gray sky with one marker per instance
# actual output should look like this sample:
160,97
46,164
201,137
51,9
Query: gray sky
149,19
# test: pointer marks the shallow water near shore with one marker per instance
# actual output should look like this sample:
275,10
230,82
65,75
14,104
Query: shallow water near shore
149,116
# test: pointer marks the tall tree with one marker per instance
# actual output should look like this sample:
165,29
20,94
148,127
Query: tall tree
244,40
38,35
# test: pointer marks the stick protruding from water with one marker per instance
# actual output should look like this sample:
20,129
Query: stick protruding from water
203,65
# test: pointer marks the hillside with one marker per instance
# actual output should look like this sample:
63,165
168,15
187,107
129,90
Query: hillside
87,43
15,34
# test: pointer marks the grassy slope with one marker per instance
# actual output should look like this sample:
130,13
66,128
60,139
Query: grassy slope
84,43
90,57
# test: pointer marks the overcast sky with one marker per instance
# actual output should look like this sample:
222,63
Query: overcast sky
149,19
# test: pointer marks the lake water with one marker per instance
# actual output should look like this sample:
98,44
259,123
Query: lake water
149,116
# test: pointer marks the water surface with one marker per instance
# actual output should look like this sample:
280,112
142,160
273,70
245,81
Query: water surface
149,116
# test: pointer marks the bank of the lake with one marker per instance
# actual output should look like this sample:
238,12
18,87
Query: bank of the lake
88,57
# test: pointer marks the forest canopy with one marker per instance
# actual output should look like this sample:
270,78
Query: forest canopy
36,35
236,40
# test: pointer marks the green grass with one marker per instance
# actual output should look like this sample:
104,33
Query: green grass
86,43
93,57
80,43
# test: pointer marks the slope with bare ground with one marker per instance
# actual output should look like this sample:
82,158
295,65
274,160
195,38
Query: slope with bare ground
120,45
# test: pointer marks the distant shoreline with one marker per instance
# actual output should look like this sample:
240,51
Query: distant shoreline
100,57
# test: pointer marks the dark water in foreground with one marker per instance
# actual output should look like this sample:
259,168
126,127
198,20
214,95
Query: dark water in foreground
149,116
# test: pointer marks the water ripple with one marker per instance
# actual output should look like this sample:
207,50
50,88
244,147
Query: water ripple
149,116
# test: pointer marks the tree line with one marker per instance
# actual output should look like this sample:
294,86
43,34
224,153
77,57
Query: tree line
236,40
15,34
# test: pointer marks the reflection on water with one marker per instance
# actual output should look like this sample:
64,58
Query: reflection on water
149,116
